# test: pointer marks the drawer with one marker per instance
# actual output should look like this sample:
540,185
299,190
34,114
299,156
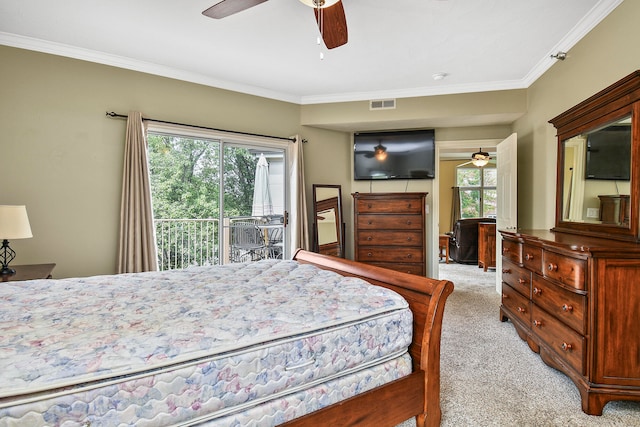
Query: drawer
517,277
403,206
568,271
512,250
516,304
567,306
390,238
386,222
559,338
532,258
390,254
418,269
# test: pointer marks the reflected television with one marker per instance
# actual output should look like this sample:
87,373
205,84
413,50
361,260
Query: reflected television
407,154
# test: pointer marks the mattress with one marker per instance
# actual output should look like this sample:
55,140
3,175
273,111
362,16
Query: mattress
204,343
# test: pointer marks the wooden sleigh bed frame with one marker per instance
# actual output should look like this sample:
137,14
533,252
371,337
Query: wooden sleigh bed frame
417,395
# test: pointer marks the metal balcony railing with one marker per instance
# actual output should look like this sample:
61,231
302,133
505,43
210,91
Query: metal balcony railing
186,242
183,243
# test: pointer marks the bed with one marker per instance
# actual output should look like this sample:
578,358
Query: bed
276,342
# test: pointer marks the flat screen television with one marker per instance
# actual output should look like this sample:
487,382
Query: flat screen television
408,154
608,154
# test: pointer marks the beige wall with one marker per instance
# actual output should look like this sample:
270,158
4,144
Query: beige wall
62,157
609,52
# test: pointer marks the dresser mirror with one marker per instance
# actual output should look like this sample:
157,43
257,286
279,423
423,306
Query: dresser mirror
598,181
328,228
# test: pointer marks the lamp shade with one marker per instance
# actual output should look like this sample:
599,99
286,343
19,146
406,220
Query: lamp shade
14,223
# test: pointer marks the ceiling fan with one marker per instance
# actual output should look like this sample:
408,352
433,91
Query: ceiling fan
330,17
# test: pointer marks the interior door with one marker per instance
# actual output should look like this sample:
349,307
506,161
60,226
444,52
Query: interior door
507,188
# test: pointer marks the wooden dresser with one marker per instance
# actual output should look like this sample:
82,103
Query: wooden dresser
390,230
487,245
576,301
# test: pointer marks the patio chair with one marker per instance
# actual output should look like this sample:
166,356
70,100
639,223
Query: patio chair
247,243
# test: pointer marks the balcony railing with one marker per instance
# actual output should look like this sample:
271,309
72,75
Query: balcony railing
186,242
183,243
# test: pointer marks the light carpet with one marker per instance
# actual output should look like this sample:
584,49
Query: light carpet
490,377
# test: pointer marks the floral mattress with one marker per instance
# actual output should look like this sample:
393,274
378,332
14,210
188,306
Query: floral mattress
204,344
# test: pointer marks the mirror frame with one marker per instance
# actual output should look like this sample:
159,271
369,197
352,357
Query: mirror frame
605,107
321,205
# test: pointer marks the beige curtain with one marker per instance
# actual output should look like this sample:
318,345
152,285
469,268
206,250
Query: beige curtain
455,206
298,220
137,250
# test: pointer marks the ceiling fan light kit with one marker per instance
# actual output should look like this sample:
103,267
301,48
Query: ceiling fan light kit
319,3
330,17
480,158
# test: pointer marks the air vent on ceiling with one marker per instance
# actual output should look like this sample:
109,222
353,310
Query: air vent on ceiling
382,104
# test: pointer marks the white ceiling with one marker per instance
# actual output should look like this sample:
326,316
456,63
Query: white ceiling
270,50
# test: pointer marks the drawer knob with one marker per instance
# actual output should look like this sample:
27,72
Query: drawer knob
409,239
409,206
408,222
369,238
369,222
506,271
522,310
369,205
521,281
505,250
409,255
528,257
369,254
566,347
552,267
505,296
537,323
537,291
567,308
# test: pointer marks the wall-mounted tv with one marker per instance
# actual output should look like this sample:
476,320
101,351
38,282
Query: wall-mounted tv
609,154
407,154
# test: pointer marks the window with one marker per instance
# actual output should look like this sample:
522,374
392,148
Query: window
477,191
202,185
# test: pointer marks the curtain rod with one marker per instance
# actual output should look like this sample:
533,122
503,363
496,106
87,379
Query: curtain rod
124,116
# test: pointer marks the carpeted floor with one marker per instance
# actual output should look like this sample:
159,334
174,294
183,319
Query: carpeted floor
490,377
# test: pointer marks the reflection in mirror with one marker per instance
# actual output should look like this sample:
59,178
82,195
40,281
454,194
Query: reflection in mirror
596,176
328,227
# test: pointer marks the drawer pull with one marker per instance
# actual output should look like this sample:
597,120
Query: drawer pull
566,347
369,205
369,254
409,255
537,291
521,280
537,323
369,222
369,238
567,308
522,310
506,271
505,250
408,222
409,206
552,267
505,296
528,257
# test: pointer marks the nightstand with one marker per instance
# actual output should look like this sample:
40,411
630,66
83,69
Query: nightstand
30,272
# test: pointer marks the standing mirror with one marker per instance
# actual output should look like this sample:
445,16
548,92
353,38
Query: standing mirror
328,226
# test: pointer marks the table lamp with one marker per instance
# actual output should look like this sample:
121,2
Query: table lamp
14,224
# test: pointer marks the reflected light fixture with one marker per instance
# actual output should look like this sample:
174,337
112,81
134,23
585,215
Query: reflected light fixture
380,152
14,224
480,158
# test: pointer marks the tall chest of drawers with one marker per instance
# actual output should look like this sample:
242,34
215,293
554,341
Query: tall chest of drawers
390,230
576,301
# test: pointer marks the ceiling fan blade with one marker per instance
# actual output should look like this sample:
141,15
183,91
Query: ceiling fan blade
229,7
333,25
